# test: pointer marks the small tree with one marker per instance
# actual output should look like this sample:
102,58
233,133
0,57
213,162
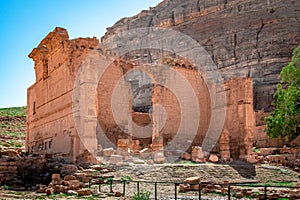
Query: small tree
285,119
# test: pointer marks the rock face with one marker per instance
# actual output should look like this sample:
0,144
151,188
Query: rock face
248,38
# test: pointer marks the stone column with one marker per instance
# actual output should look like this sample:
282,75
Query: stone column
157,139
224,145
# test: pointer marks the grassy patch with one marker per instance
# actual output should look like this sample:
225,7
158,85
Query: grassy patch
188,162
272,183
256,150
142,195
13,134
283,183
12,127
15,193
219,193
14,111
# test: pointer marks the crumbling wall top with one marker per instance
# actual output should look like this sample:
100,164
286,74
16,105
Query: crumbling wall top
59,34
56,39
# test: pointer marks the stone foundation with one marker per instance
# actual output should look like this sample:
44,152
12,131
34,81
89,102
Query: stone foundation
8,170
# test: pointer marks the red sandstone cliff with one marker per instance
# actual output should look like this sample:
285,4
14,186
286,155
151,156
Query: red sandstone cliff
248,38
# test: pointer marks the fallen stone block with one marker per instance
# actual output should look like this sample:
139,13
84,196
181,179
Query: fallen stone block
194,187
72,192
75,184
84,192
128,158
49,191
108,152
55,177
115,159
68,169
138,161
199,160
42,189
184,187
144,153
158,157
213,158
69,178
192,180
118,194
150,162
186,156
197,154
97,167
85,179
57,189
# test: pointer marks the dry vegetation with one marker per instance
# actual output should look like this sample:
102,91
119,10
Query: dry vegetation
12,127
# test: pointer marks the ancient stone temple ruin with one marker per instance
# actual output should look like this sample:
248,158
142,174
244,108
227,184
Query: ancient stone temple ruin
50,126
69,113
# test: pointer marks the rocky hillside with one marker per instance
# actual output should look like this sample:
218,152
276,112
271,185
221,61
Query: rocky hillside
12,127
248,38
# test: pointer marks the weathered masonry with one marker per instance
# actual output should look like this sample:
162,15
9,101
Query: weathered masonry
50,123
50,127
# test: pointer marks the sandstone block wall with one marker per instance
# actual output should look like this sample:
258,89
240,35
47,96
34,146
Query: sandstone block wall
8,170
50,125
240,121
50,119
173,106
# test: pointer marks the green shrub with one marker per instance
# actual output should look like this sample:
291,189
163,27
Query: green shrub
142,195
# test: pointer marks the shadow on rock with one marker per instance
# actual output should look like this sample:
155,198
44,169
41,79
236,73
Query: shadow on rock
246,170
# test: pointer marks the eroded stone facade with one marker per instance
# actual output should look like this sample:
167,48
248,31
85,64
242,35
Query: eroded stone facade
50,124
50,118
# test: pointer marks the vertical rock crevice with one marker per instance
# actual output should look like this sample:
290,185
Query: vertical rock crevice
198,6
234,45
257,39
173,18
225,2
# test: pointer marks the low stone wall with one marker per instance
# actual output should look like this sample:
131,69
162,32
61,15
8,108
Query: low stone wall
289,157
21,171
8,170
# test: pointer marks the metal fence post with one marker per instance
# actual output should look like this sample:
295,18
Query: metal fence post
199,191
265,191
110,184
176,184
175,191
155,190
124,187
229,192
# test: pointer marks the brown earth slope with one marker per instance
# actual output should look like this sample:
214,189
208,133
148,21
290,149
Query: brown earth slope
12,127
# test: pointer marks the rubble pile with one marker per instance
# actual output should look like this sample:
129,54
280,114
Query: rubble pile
289,157
195,184
74,181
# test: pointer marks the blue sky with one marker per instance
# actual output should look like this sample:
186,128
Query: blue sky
24,23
